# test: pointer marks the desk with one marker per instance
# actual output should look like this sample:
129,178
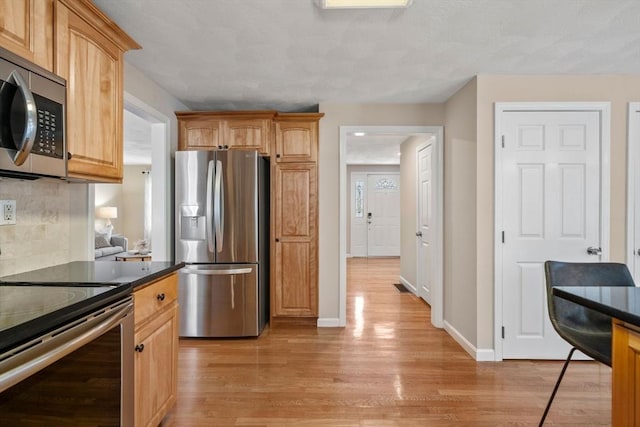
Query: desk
138,257
623,305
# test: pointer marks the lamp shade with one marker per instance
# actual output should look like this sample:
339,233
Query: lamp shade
107,212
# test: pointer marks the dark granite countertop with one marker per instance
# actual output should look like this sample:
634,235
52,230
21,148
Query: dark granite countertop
133,273
620,302
36,302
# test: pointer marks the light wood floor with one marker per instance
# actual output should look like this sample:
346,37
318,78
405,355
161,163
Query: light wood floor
388,367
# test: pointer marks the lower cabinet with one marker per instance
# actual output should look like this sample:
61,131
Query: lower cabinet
625,408
156,350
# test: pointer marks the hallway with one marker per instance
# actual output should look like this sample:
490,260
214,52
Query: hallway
388,367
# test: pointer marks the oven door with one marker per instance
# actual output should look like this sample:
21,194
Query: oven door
79,374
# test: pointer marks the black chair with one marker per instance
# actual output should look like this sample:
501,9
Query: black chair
585,329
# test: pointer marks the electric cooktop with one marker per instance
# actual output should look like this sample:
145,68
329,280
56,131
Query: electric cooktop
29,310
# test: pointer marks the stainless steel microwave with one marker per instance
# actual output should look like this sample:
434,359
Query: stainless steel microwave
32,107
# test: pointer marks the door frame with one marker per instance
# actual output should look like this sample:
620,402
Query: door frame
633,152
604,109
437,305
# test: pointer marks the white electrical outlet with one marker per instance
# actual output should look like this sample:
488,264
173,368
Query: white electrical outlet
7,212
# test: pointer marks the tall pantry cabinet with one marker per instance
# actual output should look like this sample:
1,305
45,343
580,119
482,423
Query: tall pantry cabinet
294,219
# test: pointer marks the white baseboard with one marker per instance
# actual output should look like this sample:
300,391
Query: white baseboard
408,285
479,355
329,323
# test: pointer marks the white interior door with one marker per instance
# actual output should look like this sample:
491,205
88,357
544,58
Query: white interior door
551,207
633,202
383,215
424,236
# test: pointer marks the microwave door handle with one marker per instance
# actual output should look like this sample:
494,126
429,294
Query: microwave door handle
218,207
209,207
23,148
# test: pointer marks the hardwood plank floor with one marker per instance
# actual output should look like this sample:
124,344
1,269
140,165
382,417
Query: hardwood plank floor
388,367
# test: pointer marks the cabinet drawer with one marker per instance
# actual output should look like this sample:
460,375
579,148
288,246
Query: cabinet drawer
155,297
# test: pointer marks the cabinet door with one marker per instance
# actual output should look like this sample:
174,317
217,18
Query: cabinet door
296,141
295,239
156,368
26,29
625,376
248,134
92,66
201,134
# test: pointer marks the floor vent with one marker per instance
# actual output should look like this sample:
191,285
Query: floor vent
401,287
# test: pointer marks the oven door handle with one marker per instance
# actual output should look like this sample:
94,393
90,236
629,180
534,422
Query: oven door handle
58,344
23,148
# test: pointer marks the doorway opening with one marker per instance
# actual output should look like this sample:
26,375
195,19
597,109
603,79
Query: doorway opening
145,197
400,143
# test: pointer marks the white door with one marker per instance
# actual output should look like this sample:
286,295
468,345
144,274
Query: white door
425,222
551,211
633,246
383,215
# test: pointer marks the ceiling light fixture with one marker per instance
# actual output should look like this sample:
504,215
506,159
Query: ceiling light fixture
358,134
364,4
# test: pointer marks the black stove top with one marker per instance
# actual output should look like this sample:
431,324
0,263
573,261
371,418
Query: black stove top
29,310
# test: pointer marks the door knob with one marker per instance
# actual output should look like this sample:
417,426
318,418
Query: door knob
419,234
594,251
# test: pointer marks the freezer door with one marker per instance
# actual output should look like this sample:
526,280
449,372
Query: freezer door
219,300
236,206
195,174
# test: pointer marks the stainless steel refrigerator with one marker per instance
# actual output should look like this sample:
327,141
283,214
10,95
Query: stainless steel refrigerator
222,234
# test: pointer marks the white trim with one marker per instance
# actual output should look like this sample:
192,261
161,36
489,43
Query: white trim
407,284
161,176
479,355
328,322
437,304
633,135
604,108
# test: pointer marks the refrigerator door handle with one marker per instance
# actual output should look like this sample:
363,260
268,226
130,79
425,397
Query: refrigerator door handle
209,208
225,272
218,207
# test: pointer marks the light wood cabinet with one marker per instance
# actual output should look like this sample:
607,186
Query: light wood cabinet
295,264
89,49
242,130
156,350
294,231
625,409
26,29
296,140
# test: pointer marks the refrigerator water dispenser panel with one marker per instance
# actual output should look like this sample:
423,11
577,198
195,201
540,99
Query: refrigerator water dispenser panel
192,224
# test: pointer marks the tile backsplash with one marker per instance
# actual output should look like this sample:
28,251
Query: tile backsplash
40,237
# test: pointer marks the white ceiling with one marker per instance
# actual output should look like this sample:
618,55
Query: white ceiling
291,55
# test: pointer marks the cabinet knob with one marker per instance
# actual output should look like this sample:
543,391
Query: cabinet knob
226,147
277,240
140,348
277,156
69,155
160,297
219,147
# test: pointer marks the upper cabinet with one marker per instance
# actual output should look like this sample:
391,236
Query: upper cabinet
296,137
89,50
26,29
241,130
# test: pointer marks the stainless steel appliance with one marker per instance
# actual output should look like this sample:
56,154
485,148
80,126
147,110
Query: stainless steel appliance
66,355
32,101
222,234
